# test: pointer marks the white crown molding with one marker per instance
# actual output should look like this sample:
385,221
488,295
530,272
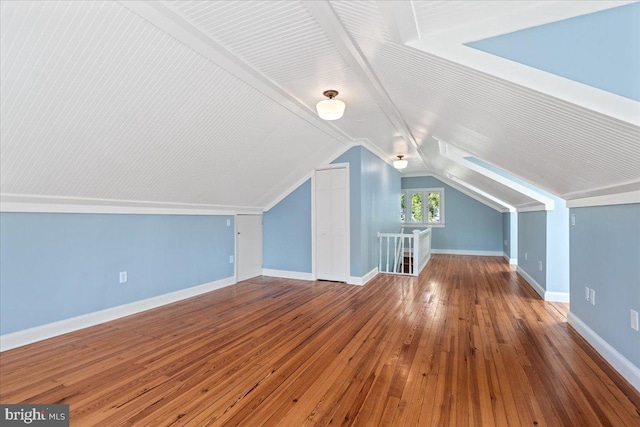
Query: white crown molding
55,204
49,330
450,45
628,370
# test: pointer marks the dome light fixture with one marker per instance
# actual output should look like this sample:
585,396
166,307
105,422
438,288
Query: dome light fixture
400,163
330,109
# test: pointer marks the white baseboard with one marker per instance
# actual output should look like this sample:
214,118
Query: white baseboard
628,370
556,296
354,280
286,274
511,261
49,330
546,295
535,285
465,252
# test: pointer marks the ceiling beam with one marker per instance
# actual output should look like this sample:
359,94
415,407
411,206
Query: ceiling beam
504,206
174,24
453,153
333,28
400,19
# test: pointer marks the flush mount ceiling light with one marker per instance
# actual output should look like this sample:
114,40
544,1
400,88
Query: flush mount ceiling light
330,109
400,163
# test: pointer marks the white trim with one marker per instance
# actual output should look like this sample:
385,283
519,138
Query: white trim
546,295
468,192
314,275
449,44
293,187
556,296
325,164
511,261
452,152
610,199
465,252
183,30
506,207
400,20
56,204
532,208
531,281
360,281
329,166
628,370
326,17
425,206
422,225
286,274
49,330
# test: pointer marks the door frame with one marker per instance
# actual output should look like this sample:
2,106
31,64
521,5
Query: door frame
235,241
314,272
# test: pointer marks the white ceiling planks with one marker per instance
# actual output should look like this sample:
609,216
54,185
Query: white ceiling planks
98,103
213,103
559,146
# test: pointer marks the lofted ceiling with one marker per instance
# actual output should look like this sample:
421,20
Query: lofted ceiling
212,104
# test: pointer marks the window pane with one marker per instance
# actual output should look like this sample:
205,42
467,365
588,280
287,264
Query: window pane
416,207
434,207
402,208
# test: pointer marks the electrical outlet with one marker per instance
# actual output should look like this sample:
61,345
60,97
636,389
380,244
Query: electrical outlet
230,259
228,222
123,277
573,219
587,293
526,256
506,243
540,265
634,320
593,297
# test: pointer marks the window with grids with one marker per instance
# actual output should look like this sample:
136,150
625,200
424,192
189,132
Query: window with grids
422,206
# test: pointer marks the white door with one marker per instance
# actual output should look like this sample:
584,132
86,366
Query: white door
332,224
248,246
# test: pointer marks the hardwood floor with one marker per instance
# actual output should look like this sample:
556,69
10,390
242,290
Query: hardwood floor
466,343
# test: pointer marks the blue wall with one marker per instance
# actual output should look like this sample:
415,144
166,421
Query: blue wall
380,204
532,240
469,224
605,256
600,49
286,241
57,266
556,255
374,192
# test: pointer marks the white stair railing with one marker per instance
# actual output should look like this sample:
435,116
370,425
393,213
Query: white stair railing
397,248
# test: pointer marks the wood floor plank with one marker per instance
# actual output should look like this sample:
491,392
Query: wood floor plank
466,343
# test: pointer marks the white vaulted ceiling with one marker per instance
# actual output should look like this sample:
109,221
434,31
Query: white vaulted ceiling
212,103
